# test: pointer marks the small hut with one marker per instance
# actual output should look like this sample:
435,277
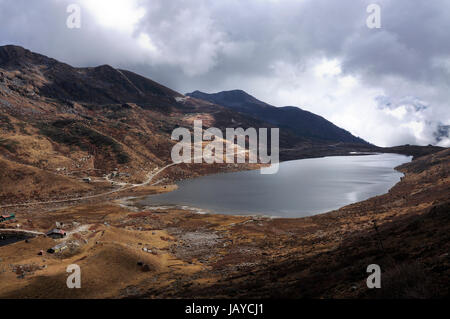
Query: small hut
57,248
4,218
56,234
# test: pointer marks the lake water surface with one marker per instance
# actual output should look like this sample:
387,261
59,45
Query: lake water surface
300,188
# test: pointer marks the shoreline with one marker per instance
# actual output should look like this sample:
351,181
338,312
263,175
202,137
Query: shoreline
150,176
221,256
135,199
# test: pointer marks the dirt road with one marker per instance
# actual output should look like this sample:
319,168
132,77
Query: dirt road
124,188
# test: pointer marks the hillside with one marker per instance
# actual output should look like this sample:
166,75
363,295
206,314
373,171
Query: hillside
64,124
128,251
60,121
302,123
98,85
75,142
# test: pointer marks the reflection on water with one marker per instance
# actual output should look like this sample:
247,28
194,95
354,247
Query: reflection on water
301,188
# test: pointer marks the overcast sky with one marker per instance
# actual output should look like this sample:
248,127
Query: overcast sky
390,85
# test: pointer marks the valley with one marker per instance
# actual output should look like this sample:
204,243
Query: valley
77,144
127,251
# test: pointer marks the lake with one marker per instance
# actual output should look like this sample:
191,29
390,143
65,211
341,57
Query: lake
300,188
9,239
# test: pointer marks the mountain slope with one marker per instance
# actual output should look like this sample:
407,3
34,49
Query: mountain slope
98,85
60,121
302,123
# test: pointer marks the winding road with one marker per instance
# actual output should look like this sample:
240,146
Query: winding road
125,188
148,181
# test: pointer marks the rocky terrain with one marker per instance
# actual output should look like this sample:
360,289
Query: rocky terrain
126,251
60,124
76,142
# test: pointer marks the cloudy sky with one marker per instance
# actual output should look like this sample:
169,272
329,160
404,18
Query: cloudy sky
389,85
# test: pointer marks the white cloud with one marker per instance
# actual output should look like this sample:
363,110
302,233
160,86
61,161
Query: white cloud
316,54
115,14
398,113
327,68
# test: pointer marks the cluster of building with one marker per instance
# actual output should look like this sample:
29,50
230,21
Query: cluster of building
57,233
4,218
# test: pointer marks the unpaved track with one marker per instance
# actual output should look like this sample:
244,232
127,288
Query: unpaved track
125,188
148,181
22,231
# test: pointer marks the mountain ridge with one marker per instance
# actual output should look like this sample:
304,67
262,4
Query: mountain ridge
301,122
60,125
101,84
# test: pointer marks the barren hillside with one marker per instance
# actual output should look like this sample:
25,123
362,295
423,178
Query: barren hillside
65,124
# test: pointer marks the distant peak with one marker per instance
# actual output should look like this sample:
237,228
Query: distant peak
17,55
239,96
233,94
105,67
9,52
12,47
107,70
236,92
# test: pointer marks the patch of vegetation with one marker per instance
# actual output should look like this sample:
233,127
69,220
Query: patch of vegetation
5,123
73,133
22,128
123,158
88,118
63,123
407,281
68,103
58,135
116,115
11,146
